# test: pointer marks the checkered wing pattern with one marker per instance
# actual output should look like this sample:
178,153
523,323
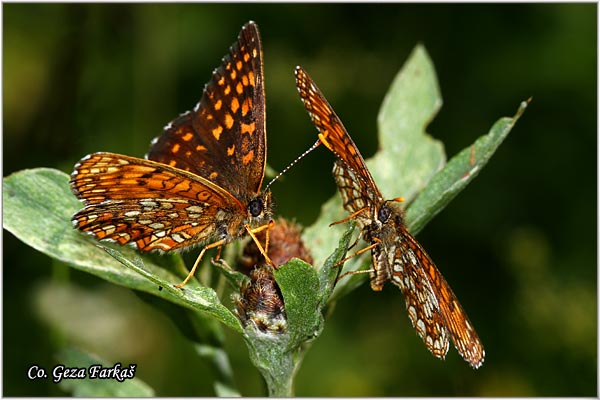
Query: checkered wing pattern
224,138
432,306
155,206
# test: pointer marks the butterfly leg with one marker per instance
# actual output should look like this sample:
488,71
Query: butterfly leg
267,238
252,232
208,246
359,252
353,245
362,271
350,217
217,258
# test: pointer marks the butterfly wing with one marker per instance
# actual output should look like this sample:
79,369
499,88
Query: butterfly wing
153,205
394,259
430,296
333,131
224,138
356,194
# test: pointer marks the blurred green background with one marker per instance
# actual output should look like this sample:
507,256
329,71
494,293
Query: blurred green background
518,246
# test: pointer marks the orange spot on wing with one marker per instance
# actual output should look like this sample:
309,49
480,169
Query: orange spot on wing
249,128
231,150
217,131
248,157
228,121
246,106
235,105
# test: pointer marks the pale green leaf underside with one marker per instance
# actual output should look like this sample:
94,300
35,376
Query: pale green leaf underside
408,156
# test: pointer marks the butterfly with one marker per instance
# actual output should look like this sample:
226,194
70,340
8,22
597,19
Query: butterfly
201,179
433,308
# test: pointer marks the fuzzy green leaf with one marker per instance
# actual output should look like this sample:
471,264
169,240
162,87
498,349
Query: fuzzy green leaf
96,387
38,206
196,298
299,285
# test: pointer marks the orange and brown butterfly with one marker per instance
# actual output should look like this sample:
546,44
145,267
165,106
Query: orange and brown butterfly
432,307
201,180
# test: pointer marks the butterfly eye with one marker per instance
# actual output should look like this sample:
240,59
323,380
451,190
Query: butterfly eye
384,213
255,207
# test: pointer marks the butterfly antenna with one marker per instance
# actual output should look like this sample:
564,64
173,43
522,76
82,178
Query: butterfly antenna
300,157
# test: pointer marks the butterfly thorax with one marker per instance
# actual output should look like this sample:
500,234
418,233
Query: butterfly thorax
385,230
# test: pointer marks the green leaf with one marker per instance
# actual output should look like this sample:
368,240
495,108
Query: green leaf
196,298
408,157
38,205
320,238
95,387
224,384
299,285
330,271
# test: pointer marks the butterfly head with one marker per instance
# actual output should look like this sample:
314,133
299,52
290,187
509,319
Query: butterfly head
388,214
260,210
